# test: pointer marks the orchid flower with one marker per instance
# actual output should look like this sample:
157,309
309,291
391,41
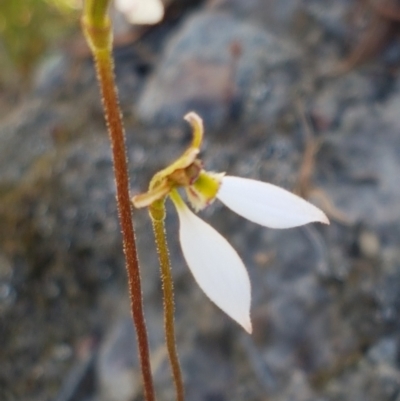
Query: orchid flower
215,265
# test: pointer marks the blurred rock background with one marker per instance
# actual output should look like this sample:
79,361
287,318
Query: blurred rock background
303,94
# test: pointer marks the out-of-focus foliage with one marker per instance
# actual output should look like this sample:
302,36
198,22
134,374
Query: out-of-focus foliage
29,27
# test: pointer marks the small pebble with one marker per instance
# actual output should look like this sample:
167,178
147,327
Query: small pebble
369,244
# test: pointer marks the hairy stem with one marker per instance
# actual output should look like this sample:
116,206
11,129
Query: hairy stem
97,29
157,213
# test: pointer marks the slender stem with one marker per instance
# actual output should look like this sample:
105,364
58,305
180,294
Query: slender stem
98,34
96,11
157,213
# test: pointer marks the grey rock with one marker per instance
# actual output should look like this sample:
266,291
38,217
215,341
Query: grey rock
371,167
331,15
118,372
219,67
279,16
20,146
51,73
385,351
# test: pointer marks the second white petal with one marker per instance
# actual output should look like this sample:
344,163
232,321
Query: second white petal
267,204
216,266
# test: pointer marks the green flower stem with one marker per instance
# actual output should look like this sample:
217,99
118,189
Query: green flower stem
96,12
97,29
157,214
176,198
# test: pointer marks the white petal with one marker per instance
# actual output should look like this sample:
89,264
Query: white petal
141,12
216,266
267,204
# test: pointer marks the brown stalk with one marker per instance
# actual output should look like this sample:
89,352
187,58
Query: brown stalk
97,28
